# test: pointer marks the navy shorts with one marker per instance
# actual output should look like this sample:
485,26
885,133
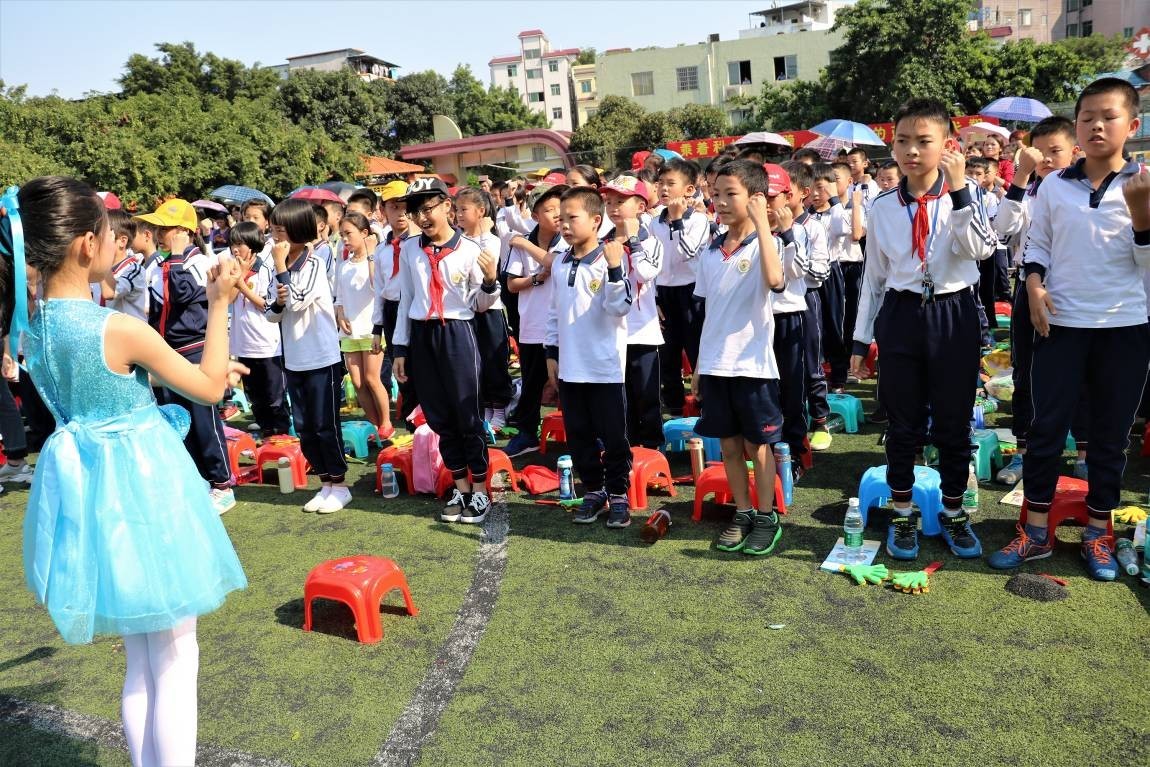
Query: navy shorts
746,407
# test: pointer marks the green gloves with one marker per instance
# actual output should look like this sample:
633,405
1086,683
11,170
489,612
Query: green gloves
912,583
875,574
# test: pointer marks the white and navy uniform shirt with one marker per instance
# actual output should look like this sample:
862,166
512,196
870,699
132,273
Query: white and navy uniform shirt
587,324
489,243
459,274
251,335
385,277
795,255
307,319
959,237
355,294
869,191
813,237
178,300
836,220
1013,220
644,260
535,301
738,327
1082,244
511,219
682,240
131,295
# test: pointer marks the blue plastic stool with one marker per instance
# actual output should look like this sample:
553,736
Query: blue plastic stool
357,434
850,408
926,494
240,400
677,431
989,453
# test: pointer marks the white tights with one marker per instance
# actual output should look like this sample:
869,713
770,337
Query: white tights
159,700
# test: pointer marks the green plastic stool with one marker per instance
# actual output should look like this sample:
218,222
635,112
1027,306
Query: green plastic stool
989,454
849,408
1003,322
1071,445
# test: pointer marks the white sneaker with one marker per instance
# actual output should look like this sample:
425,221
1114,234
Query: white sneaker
317,501
338,496
22,473
223,499
498,419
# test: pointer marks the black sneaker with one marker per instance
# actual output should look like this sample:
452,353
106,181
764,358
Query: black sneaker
765,533
476,510
594,503
958,535
454,508
878,415
733,538
620,513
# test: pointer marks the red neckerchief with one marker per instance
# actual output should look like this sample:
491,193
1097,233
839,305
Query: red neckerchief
920,227
396,244
435,283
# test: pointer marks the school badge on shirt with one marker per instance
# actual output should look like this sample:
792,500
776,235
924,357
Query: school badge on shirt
457,278
743,265
594,286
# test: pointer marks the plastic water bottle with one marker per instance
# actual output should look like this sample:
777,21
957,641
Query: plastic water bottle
853,532
970,495
836,424
389,486
566,478
1126,555
979,419
786,475
284,476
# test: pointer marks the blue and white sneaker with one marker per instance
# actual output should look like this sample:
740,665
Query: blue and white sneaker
902,536
521,444
1032,543
956,531
1011,472
1098,555
223,499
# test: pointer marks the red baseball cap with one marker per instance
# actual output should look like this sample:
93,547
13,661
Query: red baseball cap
555,179
628,186
778,180
639,158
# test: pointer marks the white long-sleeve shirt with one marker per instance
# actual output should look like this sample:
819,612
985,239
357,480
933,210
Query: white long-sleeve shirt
836,220
1082,243
587,325
307,320
131,295
644,263
960,236
795,256
682,241
251,335
1013,220
814,237
463,294
534,301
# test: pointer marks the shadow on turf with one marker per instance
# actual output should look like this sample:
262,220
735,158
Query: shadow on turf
327,617
40,653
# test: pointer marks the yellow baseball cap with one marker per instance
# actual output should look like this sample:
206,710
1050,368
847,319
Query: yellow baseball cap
174,212
392,190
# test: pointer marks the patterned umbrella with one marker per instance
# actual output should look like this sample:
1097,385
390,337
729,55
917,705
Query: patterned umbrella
1016,108
827,147
240,194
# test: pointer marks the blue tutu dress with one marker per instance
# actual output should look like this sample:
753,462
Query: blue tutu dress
120,536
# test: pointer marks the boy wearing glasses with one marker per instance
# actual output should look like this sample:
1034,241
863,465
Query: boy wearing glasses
445,278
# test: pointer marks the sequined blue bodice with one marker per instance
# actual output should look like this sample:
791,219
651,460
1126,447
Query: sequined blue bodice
64,352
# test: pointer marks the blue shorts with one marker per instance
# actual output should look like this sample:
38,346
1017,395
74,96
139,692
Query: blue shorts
746,407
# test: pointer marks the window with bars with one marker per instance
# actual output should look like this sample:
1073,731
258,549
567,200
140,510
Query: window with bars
687,78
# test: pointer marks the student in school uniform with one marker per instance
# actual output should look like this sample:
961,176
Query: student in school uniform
1087,251
924,240
683,232
445,278
177,309
586,350
386,286
737,378
124,288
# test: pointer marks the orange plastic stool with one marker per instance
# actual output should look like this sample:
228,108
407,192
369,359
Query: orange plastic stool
400,460
691,406
276,448
497,461
807,461
647,467
240,442
871,361
714,480
1003,308
551,428
687,369
360,582
1069,503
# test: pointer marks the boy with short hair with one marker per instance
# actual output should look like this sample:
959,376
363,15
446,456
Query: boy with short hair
923,241
888,177
124,288
625,200
528,276
683,232
856,167
386,284
1086,254
737,378
586,351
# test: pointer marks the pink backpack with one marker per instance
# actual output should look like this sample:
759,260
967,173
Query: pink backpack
426,462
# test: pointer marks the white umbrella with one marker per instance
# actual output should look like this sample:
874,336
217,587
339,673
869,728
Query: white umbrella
764,137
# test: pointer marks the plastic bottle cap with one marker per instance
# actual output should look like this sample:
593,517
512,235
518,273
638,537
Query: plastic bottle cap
284,463
386,466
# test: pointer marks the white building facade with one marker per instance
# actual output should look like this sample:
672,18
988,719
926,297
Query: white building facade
541,76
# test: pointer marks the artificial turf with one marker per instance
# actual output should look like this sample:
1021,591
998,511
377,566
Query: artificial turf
604,651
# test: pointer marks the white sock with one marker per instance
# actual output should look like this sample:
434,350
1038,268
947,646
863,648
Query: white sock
136,701
174,656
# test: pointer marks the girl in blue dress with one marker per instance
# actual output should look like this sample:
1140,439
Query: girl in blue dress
120,535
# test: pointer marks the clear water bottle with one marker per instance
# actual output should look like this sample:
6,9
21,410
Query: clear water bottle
853,532
836,424
970,495
284,476
566,478
1126,555
389,485
786,474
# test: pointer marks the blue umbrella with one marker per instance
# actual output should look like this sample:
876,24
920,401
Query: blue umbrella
668,154
240,194
855,133
1016,108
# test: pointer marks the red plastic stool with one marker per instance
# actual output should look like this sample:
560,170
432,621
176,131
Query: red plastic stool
240,442
400,459
497,461
1146,440
360,582
687,369
807,461
647,467
871,361
1069,503
691,406
1003,308
551,428
714,480
274,449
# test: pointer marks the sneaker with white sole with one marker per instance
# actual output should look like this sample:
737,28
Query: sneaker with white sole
318,499
338,496
476,510
454,508
223,499
1011,472
12,473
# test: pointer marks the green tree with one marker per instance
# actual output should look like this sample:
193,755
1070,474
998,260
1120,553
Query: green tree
606,138
411,101
347,109
180,69
699,120
586,56
479,111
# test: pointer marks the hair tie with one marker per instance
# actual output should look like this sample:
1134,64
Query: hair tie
10,202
